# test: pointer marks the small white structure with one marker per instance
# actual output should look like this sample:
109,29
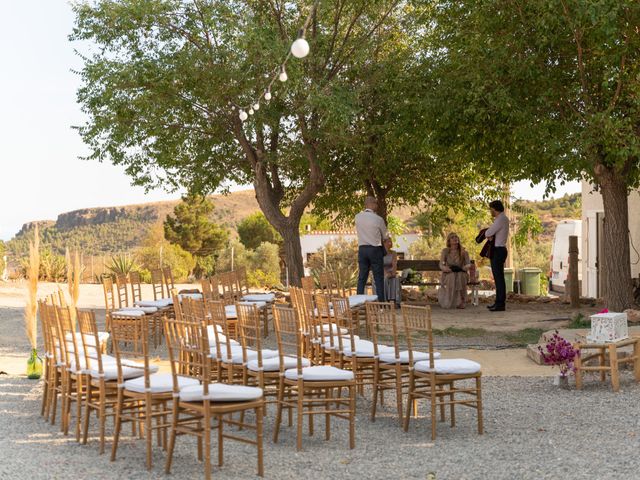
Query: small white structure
560,253
314,241
608,327
591,248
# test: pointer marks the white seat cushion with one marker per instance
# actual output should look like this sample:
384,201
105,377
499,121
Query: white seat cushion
160,303
259,297
129,370
159,383
128,312
273,364
320,373
220,338
404,357
449,366
220,392
365,348
316,312
358,300
192,296
236,354
329,328
107,360
230,312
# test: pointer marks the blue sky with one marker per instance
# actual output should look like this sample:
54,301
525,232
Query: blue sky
41,173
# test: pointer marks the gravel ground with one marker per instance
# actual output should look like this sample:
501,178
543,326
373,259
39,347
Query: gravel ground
533,431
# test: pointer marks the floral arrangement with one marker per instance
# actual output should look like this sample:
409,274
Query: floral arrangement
560,352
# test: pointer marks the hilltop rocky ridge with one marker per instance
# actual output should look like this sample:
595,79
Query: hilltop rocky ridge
107,230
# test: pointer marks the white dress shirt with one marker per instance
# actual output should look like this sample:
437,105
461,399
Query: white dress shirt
370,228
499,230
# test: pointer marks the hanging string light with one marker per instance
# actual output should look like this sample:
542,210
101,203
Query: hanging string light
299,49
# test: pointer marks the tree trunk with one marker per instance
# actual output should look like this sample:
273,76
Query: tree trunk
616,266
293,253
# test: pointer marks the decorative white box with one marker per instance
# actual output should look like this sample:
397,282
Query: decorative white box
608,327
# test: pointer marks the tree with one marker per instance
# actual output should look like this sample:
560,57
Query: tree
191,228
156,252
255,229
159,89
386,152
543,90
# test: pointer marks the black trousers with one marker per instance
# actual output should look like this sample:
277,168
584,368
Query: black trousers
371,258
497,268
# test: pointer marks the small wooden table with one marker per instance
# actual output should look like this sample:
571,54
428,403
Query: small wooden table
602,350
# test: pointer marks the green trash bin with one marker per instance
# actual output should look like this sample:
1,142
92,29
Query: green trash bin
508,279
530,279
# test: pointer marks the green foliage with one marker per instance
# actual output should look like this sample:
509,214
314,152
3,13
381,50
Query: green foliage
53,267
3,250
395,226
341,257
568,206
122,264
255,229
579,321
315,223
526,336
173,256
191,228
262,264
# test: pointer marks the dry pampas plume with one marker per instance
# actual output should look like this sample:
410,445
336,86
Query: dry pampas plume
73,280
31,308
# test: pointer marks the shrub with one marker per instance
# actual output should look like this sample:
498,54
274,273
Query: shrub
341,257
122,264
173,256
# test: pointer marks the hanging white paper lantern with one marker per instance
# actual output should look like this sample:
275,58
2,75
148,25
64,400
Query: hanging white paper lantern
283,74
256,106
267,95
251,112
243,115
300,48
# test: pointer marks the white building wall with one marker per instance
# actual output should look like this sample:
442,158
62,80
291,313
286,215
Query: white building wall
591,205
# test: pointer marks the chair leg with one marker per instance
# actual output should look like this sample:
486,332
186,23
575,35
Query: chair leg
206,432
479,405
300,416
352,417
57,385
172,435
410,402
452,406
221,440
374,404
148,420
259,435
327,416
398,374
276,429
433,409
87,413
117,424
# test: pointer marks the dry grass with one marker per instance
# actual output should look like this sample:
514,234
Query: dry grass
31,307
74,272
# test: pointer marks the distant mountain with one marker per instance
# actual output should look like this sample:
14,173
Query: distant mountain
107,230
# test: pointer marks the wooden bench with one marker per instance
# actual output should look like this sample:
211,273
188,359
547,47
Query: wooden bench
434,266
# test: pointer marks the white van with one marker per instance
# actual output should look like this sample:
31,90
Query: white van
560,253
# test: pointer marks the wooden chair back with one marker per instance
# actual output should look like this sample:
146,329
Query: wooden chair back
250,331
328,283
157,281
69,341
136,287
205,284
167,274
383,323
188,346
322,318
47,320
242,281
417,324
122,291
308,284
109,295
289,335
217,319
90,340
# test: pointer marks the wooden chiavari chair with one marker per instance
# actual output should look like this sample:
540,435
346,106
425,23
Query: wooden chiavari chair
436,379
54,364
382,319
157,282
305,388
194,408
308,284
73,377
167,274
142,394
99,376
262,365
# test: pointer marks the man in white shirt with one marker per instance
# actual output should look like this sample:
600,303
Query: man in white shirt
371,231
499,233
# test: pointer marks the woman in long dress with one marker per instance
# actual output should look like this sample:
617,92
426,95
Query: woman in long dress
454,263
392,287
